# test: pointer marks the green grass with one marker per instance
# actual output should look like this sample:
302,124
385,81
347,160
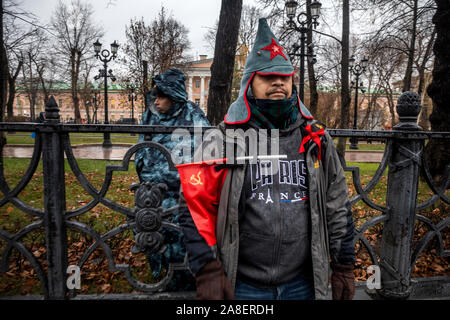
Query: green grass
368,146
363,146
100,218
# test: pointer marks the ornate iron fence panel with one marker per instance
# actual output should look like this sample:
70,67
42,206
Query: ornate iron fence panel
403,158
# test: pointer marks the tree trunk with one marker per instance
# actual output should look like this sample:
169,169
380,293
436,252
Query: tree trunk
424,117
3,68
423,65
88,115
390,98
33,106
145,84
3,77
313,95
424,81
40,70
223,63
345,90
412,48
75,61
437,151
31,87
12,90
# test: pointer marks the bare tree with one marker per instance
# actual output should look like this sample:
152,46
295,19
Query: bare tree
248,26
137,48
23,33
388,65
345,89
328,107
26,44
170,41
401,21
163,42
224,58
30,80
423,64
46,68
29,52
86,91
75,32
371,115
12,77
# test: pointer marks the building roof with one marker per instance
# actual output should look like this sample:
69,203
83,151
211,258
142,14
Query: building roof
205,63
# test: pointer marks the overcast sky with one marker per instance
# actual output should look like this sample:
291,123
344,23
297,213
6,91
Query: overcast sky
196,15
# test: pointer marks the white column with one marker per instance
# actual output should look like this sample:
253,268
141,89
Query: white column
190,88
202,91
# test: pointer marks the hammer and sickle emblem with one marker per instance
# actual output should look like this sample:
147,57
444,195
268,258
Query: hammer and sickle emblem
196,180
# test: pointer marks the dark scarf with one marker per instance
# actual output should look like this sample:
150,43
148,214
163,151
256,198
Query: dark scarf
274,114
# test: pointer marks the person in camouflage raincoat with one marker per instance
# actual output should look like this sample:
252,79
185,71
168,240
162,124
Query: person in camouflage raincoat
151,165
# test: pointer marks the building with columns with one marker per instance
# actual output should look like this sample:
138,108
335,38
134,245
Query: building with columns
198,75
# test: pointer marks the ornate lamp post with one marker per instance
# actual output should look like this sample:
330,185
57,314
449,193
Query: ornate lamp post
95,105
132,97
303,26
357,70
106,56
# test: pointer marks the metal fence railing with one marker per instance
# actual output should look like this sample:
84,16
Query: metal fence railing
396,254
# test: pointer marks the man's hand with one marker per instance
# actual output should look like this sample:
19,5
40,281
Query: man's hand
212,284
342,282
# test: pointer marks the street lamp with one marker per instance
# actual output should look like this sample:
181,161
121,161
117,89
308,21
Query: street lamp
106,56
304,26
95,105
132,97
357,69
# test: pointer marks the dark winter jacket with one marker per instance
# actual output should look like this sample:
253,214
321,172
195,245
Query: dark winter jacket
151,165
331,222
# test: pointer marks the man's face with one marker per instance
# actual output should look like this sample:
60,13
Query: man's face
272,87
163,104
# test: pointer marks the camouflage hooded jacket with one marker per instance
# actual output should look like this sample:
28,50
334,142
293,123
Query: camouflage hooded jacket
151,165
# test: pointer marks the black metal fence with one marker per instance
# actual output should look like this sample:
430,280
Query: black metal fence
395,256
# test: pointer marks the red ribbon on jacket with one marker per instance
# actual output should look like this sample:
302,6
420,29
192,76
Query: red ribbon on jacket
315,137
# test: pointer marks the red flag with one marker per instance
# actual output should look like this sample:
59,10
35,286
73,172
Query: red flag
202,184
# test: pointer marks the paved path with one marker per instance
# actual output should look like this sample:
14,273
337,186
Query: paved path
117,152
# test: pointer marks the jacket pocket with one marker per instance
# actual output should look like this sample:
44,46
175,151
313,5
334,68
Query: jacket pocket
294,254
256,254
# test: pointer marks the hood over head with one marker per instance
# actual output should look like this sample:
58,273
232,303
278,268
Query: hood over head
266,57
172,84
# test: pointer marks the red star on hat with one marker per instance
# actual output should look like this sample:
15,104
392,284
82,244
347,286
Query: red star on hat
274,49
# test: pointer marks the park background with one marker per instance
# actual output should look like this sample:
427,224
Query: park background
396,37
